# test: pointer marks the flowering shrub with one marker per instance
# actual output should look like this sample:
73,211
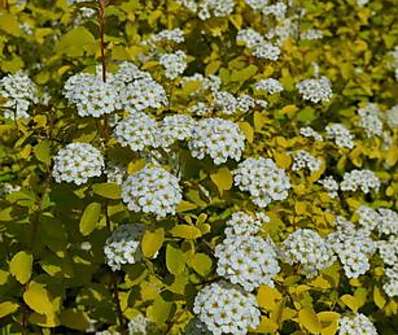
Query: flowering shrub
201,167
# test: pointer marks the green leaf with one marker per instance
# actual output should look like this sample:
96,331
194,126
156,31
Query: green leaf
379,298
42,152
309,320
75,319
202,264
21,266
10,24
244,74
186,231
307,115
7,307
37,298
90,217
77,41
152,241
174,260
160,311
248,130
222,179
107,190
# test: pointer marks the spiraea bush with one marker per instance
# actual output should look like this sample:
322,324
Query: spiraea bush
198,167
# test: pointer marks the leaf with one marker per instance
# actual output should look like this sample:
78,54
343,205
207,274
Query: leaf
151,242
283,160
202,264
222,179
185,206
259,121
186,231
267,326
329,322
107,190
244,74
379,298
268,297
357,301
159,312
174,260
77,41
9,24
248,130
89,219
37,298
42,152
7,307
309,320
75,319
307,115
21,266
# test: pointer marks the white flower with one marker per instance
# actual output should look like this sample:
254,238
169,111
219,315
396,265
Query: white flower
90,95
20,93
388,224
7,188
391,284
270,85
357,325
138,131
218,138
152,190
77,162
140,325
392,117
226,309
225,102
304,160
370,120
340,134
388,250
315,90
217,8
311,34
175,128
249,37
247,260
331,185
362,2
172,35
369,218
174,64
364,180
309,132
263,180
242,224
308,249
257,4
267,51
278,9
245,103
123,246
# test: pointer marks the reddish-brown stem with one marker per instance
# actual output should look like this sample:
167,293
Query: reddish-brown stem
101,22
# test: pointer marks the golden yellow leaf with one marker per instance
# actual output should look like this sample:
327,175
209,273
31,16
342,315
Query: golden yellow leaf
309,320
21,266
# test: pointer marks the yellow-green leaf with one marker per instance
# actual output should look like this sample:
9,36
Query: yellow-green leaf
7,307
202,264
379,298
222,179
107,190
90,217
42,152
75,319
248,130
37,298
175,262
152,241
159,312
268,297
309,320
21,266
9,24
186,231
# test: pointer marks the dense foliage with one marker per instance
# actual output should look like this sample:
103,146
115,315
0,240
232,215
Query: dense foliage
199,167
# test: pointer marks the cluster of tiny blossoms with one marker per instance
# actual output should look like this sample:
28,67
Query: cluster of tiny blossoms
359,324
258,46
77,162
243,224
340,134
308,249
218,138
174,64
364,180
20,93
123,246
304,160
308,132
331,186
206,9
370,120
263,180
315,90
270,86
152,190
226,309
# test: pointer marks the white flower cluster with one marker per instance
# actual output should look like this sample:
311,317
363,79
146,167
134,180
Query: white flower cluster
77,162
263,180
260,48
362,2
138,131
307,248
278,10
370,120
304,160
175,128
257,4
20,92
91,95
357,325
388,250
174,64
115,173
152,190
311,34
353,247
140,325
218,138
208,8
243,224
315,90
7,188
364,180
311,133
392,117
368,218
225,102
340,134
167,35
247,260
123,246
331,185
388,224
270,85
226,309
391,284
